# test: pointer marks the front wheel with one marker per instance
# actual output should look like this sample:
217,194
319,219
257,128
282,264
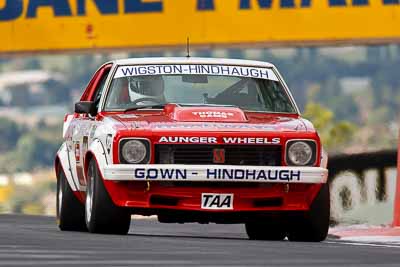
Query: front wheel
314,225
101,214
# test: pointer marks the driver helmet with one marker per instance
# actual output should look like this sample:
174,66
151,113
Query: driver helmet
146,87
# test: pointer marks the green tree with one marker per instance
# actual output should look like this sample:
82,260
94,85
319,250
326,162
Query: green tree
34,149
9,134
334,134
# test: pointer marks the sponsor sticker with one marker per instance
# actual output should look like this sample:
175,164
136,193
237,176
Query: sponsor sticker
213,201
220,174
85,144
252,140
127,116
77,152
223,140
93,131
212,125
213,114
194,69
188,139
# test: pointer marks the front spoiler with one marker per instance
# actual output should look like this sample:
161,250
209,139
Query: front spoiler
214,173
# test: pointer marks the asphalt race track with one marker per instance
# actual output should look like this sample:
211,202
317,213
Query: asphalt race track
36,241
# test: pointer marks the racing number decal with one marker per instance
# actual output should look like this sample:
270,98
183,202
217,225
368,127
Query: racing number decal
216,201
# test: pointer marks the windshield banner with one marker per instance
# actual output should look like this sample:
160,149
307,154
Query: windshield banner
175,69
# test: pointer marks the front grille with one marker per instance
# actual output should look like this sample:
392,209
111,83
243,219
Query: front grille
234,154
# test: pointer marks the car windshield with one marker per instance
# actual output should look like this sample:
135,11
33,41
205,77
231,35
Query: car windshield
253,89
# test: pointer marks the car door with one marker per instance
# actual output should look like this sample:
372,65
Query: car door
84,124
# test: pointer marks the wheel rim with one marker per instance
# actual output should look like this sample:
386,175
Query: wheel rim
89,195
59,197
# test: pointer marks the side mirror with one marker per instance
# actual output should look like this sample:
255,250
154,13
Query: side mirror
86,107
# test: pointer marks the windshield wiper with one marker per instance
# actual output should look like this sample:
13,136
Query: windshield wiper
209,105
160,106
145,106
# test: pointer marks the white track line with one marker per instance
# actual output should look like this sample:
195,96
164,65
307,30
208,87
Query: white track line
363,244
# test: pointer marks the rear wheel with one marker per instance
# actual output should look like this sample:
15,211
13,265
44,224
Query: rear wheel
101,214
70,211
314,225
270,229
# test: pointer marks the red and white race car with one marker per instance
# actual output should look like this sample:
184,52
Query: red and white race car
192,140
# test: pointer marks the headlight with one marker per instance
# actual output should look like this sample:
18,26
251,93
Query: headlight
301,153
134,151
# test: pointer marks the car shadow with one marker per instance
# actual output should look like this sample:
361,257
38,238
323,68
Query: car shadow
187,236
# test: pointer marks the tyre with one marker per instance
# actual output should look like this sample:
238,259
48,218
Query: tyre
101,214
270,229
70,211
314,225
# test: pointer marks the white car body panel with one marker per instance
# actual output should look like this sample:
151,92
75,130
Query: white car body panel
91,136
64,157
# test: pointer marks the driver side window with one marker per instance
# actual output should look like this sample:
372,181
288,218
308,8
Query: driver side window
100,88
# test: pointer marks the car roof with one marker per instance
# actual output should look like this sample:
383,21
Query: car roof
192,60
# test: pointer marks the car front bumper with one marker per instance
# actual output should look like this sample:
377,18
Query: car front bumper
144,187
214,173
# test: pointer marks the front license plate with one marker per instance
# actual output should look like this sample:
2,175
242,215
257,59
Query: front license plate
211,201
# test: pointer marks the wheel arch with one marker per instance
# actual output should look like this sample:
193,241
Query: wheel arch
97,152
62,162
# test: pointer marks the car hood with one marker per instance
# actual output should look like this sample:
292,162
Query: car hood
210,119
